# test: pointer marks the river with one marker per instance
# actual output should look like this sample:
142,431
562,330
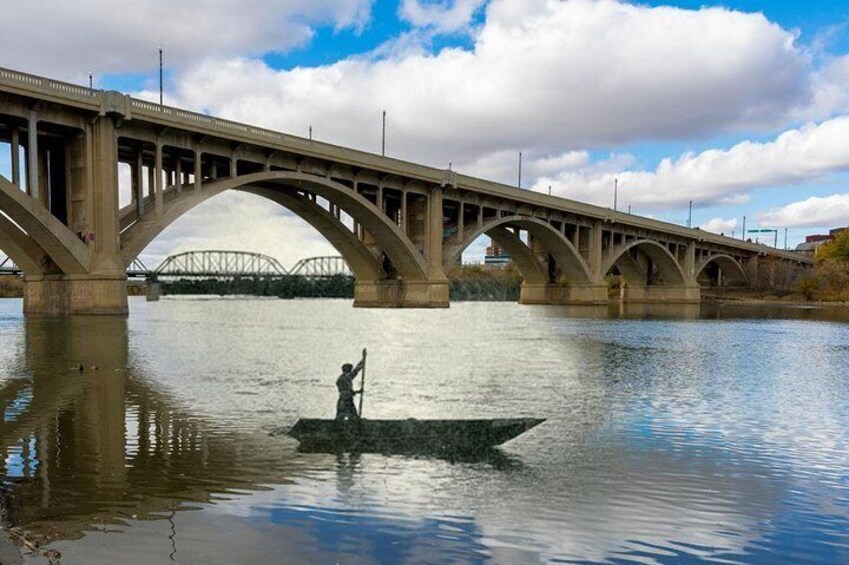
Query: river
676,434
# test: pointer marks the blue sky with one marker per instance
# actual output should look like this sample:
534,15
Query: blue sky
742,113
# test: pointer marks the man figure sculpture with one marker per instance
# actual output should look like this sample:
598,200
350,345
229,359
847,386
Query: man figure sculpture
345,409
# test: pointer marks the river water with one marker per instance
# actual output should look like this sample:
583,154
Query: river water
672,434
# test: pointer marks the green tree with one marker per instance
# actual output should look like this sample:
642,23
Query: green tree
837,250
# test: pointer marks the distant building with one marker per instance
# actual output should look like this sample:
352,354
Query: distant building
495,256
813,242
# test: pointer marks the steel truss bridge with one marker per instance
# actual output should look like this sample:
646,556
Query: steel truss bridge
8,267
244,264
224,264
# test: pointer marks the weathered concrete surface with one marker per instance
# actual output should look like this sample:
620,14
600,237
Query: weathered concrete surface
561,294
60,295
401,294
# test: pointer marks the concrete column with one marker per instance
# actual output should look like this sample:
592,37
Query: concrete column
689,265
380,199
16,157
198,169
461,228
157,184
434,228
178,175
139,174
234,167
32,155
404,211
595,250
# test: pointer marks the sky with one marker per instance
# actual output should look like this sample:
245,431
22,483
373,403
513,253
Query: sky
741,107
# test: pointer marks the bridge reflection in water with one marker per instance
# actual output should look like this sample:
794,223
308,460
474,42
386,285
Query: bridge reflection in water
86,453
93,447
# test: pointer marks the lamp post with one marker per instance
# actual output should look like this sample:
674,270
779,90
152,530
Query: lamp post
383,137
615,193
161,98
520,169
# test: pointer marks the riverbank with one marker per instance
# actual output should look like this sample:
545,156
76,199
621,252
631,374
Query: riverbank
745,296
11,287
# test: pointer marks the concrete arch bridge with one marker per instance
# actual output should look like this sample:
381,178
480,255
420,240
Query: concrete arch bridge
400,226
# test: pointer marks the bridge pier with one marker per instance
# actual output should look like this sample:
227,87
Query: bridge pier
660,293
62,295
553,293
399,293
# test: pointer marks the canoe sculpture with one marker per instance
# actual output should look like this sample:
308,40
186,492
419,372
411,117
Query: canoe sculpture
408,436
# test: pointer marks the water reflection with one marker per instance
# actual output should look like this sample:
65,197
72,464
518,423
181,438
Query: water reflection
667,439
102,445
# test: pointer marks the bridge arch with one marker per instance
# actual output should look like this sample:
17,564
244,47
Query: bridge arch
574,267
21,249
37,241
731,269
282,187
666,263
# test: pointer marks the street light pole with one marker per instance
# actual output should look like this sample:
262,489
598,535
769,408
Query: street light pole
615,193
520,169
383,137
690,216
160,76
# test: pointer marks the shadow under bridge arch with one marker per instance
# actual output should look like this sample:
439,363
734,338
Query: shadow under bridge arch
732,272
289,189
641,272
572,265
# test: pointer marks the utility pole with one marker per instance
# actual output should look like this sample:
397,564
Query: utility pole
520,169
690,216
744,229
310,131
160,76
383,136
549,190
615,193
785,239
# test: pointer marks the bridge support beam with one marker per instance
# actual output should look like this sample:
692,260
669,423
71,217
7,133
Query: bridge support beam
62,295
660,293
399,293
553,293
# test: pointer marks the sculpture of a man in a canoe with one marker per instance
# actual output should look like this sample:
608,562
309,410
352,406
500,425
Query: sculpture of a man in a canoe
345,409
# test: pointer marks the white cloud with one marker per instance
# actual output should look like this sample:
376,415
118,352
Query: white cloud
67,39
813,212
717,176
543,76
719,225
237,221
830,85
441,15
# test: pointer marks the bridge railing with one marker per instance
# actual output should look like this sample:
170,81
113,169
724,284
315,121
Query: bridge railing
204,119
50,84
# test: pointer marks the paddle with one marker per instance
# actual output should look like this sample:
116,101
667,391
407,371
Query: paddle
363,385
